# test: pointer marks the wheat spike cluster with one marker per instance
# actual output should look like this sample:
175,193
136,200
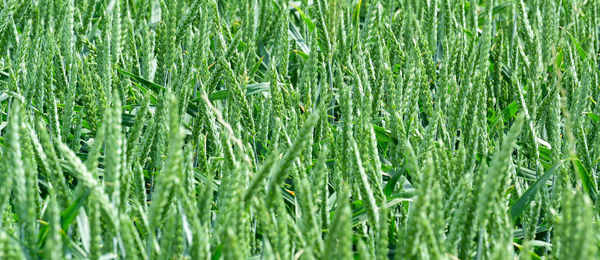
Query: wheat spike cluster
292,130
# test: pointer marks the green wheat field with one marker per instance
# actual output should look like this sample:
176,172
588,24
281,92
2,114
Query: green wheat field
292,130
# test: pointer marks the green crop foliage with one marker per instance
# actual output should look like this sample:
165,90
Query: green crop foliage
310,129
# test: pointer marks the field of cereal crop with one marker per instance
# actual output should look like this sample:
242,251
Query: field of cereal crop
312,129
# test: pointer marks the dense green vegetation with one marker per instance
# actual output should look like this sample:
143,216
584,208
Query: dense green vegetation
322,129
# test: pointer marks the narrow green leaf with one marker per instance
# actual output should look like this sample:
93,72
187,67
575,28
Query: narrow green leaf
559,58
359,214
529,195
586,180
307,20
147,83
67,216
295,34
301,54
4,75
219,95
580,50
382,134
507,113
389,186
251,89
593,116
257,88
255,67
4,96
